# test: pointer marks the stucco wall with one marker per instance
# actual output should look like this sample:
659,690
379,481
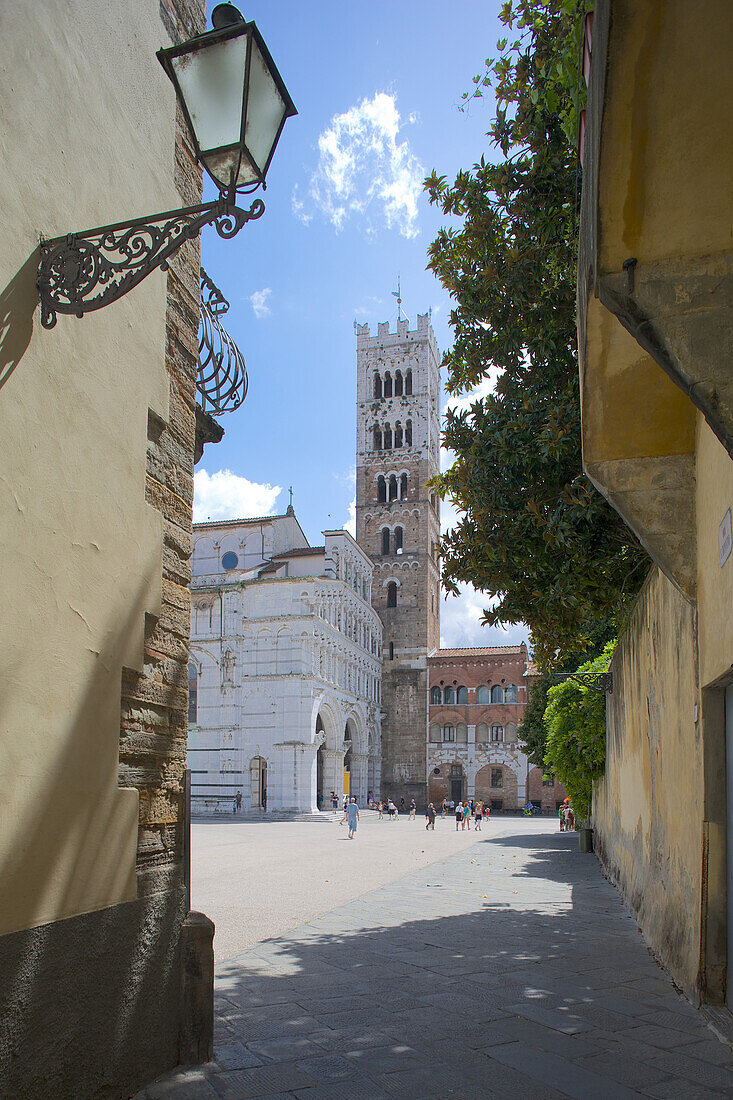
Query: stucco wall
647,809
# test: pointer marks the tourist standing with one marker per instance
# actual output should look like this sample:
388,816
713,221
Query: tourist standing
237,802
466,815
478,813
459,814
334,802
444,807
430,815
353,816
413,809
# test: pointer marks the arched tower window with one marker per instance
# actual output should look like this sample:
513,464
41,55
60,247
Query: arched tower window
403,487
387,438
461,695
388,385
436,696
397,539
398,434
497,694
449,695
398,383
381,490
408,433
483,695
392,487
510,694
392,594
377,440
408,383
385,540
377,386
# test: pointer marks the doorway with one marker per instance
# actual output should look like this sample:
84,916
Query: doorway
258,782
456,779
320,765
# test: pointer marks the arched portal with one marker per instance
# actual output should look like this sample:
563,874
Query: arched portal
322,795
258,782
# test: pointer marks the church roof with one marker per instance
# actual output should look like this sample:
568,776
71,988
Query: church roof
300,552
480,651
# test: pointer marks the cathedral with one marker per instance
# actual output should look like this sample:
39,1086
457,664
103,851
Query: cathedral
319,669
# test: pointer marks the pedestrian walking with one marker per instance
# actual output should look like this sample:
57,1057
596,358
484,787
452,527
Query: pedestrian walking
352,813
459,814
444,807
478,813
413,809
466,816
430,815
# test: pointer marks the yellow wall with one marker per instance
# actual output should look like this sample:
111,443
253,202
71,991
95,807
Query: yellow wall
714,496
647,810
87,138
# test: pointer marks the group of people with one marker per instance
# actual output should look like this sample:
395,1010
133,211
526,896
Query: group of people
566,816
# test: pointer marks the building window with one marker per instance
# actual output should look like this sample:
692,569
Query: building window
381,490
482,733
192,694
229,560
387,438
435,696
388,385
436,734
398,434
462,695
510,694
377,386
408,383
497,694
403,487
497,779
377,438
397,539
456,771
391,594
449,733
398,383
548,782
449,695
385,540
462,733
483,695
391,651
408,433
497,733
393,487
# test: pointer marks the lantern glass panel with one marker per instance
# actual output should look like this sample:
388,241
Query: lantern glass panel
212,84
265,111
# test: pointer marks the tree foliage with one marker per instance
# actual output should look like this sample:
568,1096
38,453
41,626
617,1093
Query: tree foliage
575,720
535,535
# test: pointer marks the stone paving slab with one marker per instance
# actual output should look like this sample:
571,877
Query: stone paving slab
521,975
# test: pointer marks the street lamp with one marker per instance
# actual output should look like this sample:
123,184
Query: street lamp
235,105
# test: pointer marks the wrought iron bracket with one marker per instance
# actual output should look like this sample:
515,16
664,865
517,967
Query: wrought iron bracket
85,271
222,375
602,682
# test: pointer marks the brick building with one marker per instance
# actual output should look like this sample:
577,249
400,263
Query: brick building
398,525
477,699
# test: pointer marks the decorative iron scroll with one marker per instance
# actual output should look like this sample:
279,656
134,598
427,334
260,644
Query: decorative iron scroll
222,375
85,271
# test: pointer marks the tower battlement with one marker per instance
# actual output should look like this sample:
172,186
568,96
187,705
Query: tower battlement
403,332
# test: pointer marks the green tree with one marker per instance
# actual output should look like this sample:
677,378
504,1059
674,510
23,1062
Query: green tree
575,720
535,534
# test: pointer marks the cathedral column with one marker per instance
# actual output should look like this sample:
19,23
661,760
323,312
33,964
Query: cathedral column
359,776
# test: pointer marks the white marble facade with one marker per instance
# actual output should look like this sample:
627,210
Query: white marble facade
285,675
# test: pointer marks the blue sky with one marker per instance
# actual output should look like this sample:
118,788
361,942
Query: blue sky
378,88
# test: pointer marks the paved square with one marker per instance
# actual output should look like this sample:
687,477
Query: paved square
509,968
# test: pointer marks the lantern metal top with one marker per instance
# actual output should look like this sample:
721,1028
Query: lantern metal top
233,98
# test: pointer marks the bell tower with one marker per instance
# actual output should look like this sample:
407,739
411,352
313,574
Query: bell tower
398,525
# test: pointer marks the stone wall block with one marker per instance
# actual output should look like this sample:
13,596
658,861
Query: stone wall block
196,1034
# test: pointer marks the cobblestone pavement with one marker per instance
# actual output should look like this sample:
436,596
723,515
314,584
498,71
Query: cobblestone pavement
509,969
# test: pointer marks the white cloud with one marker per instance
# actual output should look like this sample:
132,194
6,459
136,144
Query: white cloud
258,301
224,495
364,170
460,622
350,526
